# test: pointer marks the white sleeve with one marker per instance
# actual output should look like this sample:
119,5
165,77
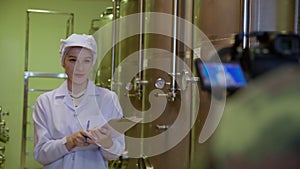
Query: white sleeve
46,150
116,149
118,146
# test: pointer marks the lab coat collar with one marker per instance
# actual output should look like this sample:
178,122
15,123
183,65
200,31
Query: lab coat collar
63,89
91,89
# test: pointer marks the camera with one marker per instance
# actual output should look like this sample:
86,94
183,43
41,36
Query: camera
268,50
226,75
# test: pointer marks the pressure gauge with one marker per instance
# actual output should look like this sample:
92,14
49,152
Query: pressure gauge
160,83
129,86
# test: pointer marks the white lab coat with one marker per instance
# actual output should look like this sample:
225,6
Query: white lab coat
56,117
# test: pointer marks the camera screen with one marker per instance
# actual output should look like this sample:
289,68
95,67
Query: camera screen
211,75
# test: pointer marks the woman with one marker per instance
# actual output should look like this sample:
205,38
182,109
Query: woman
63,117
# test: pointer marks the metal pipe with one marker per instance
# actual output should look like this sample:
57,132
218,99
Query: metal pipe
141,55
115,4
27,41
24,124
39,90
141,38
173,88
188,11
258,14
246,23
297,16
70,25
48,12
45,75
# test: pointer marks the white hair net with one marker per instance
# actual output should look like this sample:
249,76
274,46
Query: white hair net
81,40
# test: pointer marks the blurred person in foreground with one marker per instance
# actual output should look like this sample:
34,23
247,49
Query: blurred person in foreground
260,126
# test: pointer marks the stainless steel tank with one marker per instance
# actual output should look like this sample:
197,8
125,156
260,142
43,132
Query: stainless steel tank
220,21
185,154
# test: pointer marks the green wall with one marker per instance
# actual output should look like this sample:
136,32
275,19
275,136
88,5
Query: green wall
44,50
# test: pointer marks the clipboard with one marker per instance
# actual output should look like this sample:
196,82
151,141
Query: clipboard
120,126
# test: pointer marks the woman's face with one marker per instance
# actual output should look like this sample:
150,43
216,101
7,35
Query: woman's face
78,63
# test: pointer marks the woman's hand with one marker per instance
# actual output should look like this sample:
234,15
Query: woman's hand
101,137
77,140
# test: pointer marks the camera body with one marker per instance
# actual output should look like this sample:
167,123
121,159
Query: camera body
226,75
269,50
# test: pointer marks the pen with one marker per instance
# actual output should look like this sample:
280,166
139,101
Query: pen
87,129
